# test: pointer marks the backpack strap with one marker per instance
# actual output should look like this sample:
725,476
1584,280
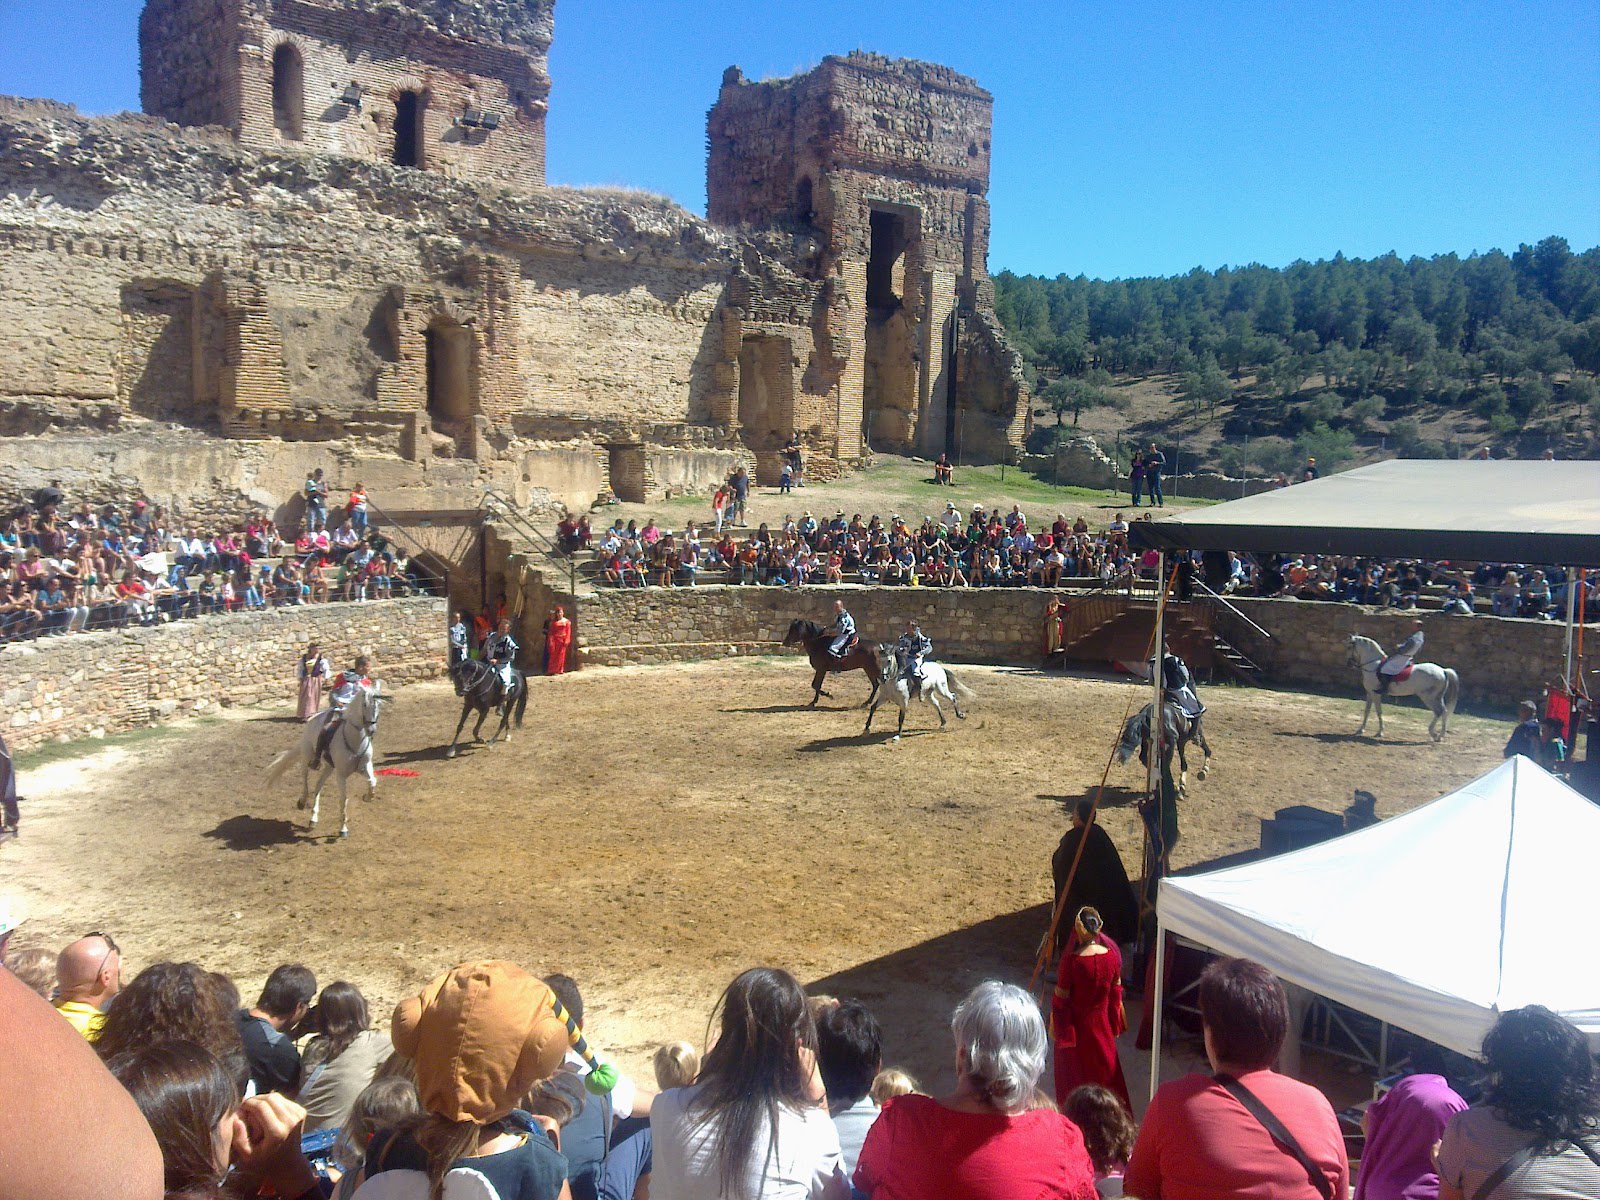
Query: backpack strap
1280,1133
1502,1173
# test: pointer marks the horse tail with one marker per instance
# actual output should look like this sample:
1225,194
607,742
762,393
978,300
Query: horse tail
958,687
280,764
1452,689
522,701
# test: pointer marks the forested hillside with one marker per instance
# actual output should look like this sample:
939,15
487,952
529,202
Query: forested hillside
1344,358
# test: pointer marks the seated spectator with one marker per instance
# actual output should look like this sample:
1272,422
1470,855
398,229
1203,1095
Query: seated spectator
628,1098
205,1132
1507,598
889,1083
676,1065
1536,1131
987,1140
479,1036
1402,1127
1552,749
69,1132
386,1105
849,1056
1108,1133
753,1125
342,1057
35,967
275,1064
88,978
176,1002
1200,1138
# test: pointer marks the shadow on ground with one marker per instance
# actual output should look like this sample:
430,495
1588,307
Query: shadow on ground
1341,739
400,758
875,738
1112,796
913,991
255,833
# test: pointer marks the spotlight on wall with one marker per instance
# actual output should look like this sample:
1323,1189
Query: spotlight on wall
351,97
474,118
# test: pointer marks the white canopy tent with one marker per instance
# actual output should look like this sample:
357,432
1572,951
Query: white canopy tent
1434,921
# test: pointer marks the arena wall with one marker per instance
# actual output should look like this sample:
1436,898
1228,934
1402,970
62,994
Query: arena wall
89,685
1500,661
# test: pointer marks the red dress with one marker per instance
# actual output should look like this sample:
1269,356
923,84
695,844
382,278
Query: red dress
1087,1015
555,644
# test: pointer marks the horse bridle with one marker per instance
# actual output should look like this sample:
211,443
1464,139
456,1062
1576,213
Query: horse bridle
369,727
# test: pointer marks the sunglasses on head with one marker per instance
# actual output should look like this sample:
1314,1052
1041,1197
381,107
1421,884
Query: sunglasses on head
111,944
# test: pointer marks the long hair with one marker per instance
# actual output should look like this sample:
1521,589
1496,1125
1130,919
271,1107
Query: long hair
340,1015
383,1104
1541,1076
1108,1130
173,1002
183,1092
444,1142
753,1069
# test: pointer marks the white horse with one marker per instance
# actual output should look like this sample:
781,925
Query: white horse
936,682
1439,688
350,750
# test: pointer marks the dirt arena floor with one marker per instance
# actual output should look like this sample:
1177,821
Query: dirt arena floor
654,831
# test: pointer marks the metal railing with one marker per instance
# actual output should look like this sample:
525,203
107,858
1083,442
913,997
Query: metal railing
499,507
1224,603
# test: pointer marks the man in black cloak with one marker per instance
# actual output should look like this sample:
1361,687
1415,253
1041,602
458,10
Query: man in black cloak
1101,880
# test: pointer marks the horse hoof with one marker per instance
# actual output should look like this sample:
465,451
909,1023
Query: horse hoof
895,738
344,833
301,804
450,753
1203,772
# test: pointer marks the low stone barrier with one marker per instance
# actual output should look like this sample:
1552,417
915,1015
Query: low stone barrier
92,684
1500,661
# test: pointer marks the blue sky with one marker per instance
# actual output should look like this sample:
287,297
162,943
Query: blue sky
1130,138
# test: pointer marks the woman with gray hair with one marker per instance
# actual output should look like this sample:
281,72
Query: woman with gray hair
989,1139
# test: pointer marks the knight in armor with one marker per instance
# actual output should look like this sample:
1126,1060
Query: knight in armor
500,651
345,685
844,629
1398,662
460,640
912,648
1177,685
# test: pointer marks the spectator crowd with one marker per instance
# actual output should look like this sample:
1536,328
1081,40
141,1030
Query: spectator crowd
485,1086
67,570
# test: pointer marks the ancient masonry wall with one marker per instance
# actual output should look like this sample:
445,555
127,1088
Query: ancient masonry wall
1500,661
89,685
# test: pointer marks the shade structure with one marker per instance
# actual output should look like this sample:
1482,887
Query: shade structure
1524,512
1435,921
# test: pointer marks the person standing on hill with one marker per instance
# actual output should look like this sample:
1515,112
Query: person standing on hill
1136,477
1155,465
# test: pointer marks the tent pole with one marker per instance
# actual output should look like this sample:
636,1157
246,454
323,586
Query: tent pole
1152,776
1572,604
1160,986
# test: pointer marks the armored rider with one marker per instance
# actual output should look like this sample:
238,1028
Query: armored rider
911,649
844,628
344,691
1402,658
1177,684
500,650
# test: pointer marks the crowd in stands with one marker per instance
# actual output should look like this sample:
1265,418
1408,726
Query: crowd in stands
993,547
67,570
484,1086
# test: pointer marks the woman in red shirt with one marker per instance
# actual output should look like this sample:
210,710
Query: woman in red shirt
1087,1011
987,1140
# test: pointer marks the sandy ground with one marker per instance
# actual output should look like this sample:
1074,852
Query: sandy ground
653,832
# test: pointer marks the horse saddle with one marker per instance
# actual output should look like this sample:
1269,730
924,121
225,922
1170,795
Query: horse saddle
850,644
1405,674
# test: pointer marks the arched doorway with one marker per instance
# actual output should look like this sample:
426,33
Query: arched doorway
409,108
289,92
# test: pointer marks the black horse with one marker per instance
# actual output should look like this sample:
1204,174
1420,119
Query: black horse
478,685
862,656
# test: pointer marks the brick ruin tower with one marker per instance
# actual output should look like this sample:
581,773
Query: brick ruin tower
455,86
883,165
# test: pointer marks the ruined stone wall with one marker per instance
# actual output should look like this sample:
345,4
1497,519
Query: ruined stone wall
275,74
93,684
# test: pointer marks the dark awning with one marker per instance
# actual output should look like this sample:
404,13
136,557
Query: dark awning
1524,512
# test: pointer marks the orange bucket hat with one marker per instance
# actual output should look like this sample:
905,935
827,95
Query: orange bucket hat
480,1036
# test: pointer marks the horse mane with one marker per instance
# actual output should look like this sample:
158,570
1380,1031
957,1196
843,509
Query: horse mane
808,629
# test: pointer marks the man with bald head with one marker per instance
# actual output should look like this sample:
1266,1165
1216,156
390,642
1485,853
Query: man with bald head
88,975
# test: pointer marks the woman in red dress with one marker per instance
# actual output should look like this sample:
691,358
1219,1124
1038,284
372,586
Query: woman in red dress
556,642
1087,1011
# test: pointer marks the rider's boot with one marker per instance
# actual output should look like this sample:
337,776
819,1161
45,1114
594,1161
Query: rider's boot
324,740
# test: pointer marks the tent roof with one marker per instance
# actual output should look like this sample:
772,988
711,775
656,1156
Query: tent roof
1434,921
1509,511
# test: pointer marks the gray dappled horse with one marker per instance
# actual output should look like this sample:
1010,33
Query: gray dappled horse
935,682
1439,688
1177,730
